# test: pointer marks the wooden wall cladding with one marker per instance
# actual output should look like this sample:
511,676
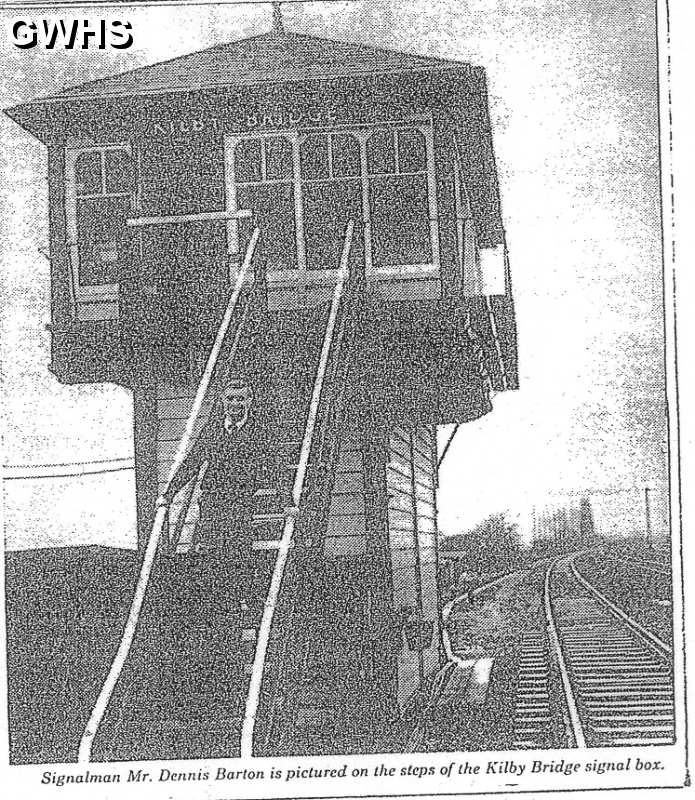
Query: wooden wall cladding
411,484
347,527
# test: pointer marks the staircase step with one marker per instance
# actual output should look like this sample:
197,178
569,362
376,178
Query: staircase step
275,516
266,492
266,544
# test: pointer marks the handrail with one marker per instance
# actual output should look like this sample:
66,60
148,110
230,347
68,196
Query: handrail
314,510
187,438
258,668
187,491
178,219
161,517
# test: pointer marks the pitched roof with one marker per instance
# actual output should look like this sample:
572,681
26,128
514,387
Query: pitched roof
270,57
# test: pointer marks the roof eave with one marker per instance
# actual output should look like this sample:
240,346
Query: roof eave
202,87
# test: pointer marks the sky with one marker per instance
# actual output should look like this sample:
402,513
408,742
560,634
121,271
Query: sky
574,115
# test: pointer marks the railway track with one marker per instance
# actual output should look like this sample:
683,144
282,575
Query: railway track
655,567
594,678
616,676
533,715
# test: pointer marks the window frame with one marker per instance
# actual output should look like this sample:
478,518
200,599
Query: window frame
301,277
231,140
430,268
467,252
88,293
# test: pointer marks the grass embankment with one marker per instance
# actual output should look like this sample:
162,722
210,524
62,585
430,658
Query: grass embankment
642,593
469,582
493,626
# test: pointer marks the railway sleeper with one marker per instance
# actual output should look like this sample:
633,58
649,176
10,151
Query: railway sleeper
611,642
635,718
611,637
599,695
615,665
598,651
646,730
667,706
623,681
632,741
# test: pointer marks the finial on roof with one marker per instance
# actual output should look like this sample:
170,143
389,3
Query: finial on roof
278,24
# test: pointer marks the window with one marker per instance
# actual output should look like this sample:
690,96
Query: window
264,174
398,197
329,156
303,186
313,157
331,194
412,153
263,160
99,192
278,159
345,151
381,153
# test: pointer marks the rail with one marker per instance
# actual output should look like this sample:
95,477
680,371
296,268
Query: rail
650,639
161,518
454,661
287,540
575,723
635,686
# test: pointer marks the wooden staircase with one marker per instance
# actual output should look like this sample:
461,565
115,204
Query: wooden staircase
197,657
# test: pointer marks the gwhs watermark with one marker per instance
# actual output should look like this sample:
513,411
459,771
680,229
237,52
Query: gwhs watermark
74,34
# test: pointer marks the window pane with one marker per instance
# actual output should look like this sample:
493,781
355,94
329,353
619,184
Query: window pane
380,152
313,155
278,159
400,221
247,161
88,173
346,155
120,176
273,212
100,228
327,209
185,179
412,153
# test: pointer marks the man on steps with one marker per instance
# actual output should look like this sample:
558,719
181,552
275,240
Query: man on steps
219,574
231,444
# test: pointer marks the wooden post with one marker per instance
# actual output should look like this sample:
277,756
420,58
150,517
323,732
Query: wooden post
416,538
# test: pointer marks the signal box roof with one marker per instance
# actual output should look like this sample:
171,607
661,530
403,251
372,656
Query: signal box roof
273,57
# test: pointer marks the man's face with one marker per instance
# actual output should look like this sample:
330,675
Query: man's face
236,402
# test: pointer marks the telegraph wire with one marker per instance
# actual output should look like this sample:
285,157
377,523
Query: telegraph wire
15,472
